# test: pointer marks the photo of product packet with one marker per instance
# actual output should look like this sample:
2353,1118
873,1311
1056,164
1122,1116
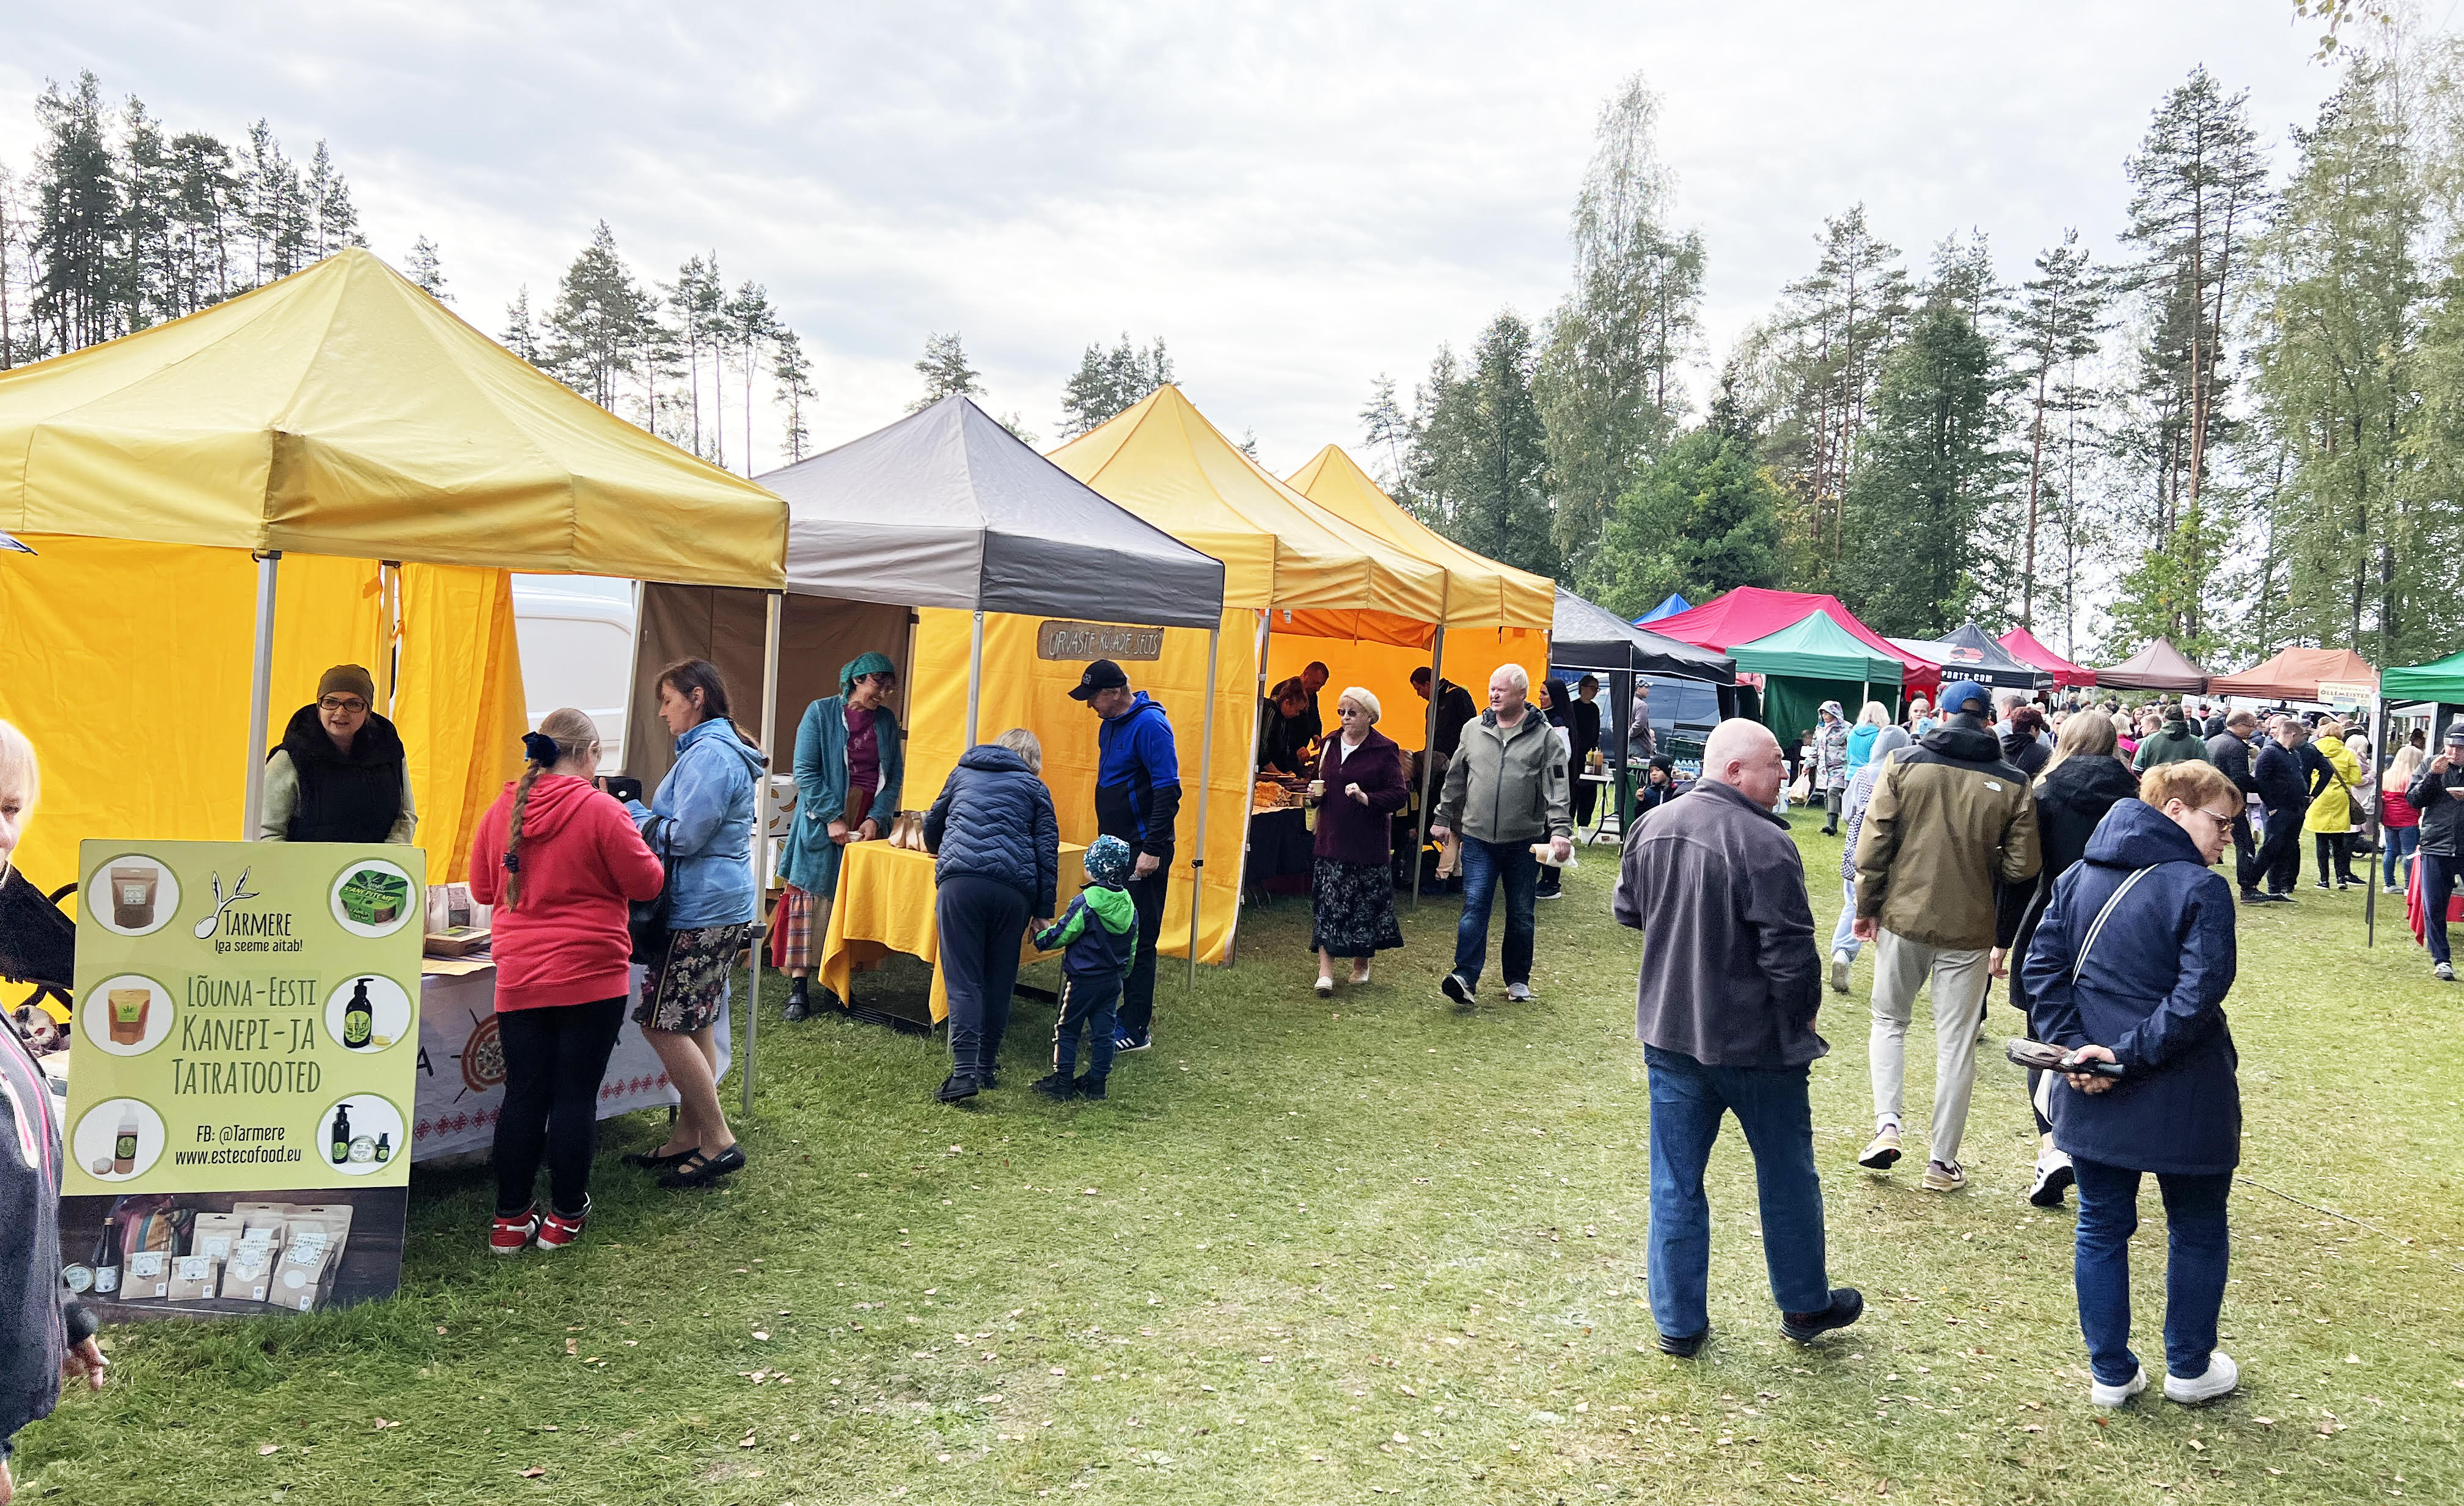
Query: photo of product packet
194,1278
332,1219
217,1235
249,1274
296,1273
265,1229
145,1276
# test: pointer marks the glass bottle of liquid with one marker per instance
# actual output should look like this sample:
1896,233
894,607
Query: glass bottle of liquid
341,1147
123,1144
106,1259
359,1018
385,1147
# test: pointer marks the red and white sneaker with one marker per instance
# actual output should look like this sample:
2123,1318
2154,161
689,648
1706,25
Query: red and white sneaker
514,1236
559,1229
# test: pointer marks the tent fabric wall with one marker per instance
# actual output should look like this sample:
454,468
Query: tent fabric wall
1480,592
137,742
1023,691
2295,674
2440,680
464,738
1385,672
1790,702
2026,648
816,636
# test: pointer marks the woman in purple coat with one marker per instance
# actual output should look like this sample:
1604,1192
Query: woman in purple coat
1360,787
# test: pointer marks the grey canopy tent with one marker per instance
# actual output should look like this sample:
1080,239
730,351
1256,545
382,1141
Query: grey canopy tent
1966,653
943,509
1586,638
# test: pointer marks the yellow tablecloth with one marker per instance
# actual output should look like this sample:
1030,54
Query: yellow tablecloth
884,905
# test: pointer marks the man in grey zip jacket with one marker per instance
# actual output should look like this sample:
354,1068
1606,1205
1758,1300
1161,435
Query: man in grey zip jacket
1505,791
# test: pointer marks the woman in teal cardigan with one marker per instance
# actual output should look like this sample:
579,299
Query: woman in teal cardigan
850,758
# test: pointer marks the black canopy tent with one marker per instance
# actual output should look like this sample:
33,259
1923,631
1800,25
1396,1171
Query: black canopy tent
1967,653
1584,638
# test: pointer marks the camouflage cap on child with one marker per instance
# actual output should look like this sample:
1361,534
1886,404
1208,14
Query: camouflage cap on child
1108,861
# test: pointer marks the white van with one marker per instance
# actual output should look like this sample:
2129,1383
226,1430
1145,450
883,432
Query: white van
576,634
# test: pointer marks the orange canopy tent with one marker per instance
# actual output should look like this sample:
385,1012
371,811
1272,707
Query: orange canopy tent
2336,675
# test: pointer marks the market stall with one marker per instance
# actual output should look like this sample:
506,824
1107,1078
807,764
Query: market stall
989,578
1586,639
2327,676
886,903
1966,653
2023,645
1747,613
2158,666
1669,607
2434,692
1809,661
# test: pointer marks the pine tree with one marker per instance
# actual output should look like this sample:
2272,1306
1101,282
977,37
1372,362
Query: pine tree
11,232
333,220
2059,321
1108,383
793,371
79,289
277,219
595,335
1605,383
520,335
148,190
425,271
1702,519
1481,467
1386,431
751,325
204,201
945,371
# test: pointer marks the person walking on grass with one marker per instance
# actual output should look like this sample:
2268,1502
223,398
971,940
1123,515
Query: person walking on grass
2229,751
1361,786
1724,1007
2437,793
2278,771
1831,764
2332,795
700,821
2130,966
1949,823
1098,939
1844,944
2083,782
556,861
1505,793
995,846
1138,799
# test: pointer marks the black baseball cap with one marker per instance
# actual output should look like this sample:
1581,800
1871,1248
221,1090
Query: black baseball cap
1100,676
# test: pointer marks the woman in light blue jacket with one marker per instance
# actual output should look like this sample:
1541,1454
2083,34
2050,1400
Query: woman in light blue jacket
851,768
700,822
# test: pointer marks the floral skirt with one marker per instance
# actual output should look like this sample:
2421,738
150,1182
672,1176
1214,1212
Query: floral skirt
1354,909
686,987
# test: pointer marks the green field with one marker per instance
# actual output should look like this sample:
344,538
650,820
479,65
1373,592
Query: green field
1316,1250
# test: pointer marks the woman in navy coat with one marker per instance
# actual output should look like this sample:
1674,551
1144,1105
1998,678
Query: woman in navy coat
2130,965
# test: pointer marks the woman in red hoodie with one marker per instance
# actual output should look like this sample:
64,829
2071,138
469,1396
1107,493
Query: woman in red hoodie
558,860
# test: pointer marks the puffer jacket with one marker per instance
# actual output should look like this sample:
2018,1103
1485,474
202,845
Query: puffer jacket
993,819
2331,811
1508,785
702,818
1948,822
2175,742
2151,990
1831,750
2071,801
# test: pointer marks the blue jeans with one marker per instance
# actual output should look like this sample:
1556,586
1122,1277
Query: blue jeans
1844,935
2196,1253
2401,842
1771,1105
1088,1003
1485,865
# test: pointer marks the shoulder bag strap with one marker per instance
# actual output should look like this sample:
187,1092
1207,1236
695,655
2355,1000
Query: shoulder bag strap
2095,927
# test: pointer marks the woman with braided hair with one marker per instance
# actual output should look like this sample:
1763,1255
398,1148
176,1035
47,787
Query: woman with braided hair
558,859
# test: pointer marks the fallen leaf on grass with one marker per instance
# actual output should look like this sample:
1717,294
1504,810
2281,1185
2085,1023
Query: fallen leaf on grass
532,1472
264,1449
573,1346
382,1425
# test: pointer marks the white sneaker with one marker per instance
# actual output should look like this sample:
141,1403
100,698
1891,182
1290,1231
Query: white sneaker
1839,973
1519,992
2054,1177
2101,1395
2222,1376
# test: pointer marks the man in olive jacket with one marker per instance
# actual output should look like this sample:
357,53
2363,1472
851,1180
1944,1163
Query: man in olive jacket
1505,789
1725,1008
1949,821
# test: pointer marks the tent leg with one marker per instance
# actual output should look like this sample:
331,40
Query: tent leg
761,834
974,676
2378,771
1205,768
260,694
1428,761
1265,629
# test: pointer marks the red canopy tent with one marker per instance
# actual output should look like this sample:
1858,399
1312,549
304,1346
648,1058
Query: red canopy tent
1749,612
2025,647
2158,666
2297,674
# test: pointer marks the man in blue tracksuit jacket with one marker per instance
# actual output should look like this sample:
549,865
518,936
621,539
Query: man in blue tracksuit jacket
1138,799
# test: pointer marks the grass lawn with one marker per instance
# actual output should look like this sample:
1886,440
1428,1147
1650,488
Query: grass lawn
1315,1251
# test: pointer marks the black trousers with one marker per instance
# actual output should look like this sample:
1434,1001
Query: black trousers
2246,867
1586,796
555,1059
2280,857
980,923
2336,848
1137,989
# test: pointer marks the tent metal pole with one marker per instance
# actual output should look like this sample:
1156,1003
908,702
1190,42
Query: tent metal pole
260,694
777,600
1258,693
2378,772
1205,769
1428,759
975,677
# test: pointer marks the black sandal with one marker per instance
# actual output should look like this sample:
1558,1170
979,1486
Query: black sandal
697,1169
653,1161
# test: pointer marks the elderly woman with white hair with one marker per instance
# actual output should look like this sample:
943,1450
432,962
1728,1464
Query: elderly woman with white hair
1359,787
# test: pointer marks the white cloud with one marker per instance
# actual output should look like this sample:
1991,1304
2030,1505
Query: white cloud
1296,198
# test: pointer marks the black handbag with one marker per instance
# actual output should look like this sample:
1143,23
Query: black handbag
647,919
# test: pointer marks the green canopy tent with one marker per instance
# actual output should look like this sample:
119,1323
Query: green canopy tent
2439,685
1810,660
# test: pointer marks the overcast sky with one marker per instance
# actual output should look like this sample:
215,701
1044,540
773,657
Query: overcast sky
1297,198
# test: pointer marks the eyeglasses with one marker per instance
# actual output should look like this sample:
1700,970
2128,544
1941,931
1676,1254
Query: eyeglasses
341,703
2224,823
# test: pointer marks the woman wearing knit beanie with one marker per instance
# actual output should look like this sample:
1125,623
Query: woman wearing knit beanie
340,773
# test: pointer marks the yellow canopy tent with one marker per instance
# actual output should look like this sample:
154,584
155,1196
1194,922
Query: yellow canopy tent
1292,571
340,414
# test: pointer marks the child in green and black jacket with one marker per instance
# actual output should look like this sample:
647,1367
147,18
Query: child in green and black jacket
1099,933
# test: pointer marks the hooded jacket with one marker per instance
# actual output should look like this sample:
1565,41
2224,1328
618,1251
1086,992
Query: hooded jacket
2331,808
2025,753
1730,976
994,819
1137,779
1861,794
1948,822
2174,743
314,792
1831,750
2442,815
701,819
1860,746
565,941
2151,990
2071,800
1507,784
1097,936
